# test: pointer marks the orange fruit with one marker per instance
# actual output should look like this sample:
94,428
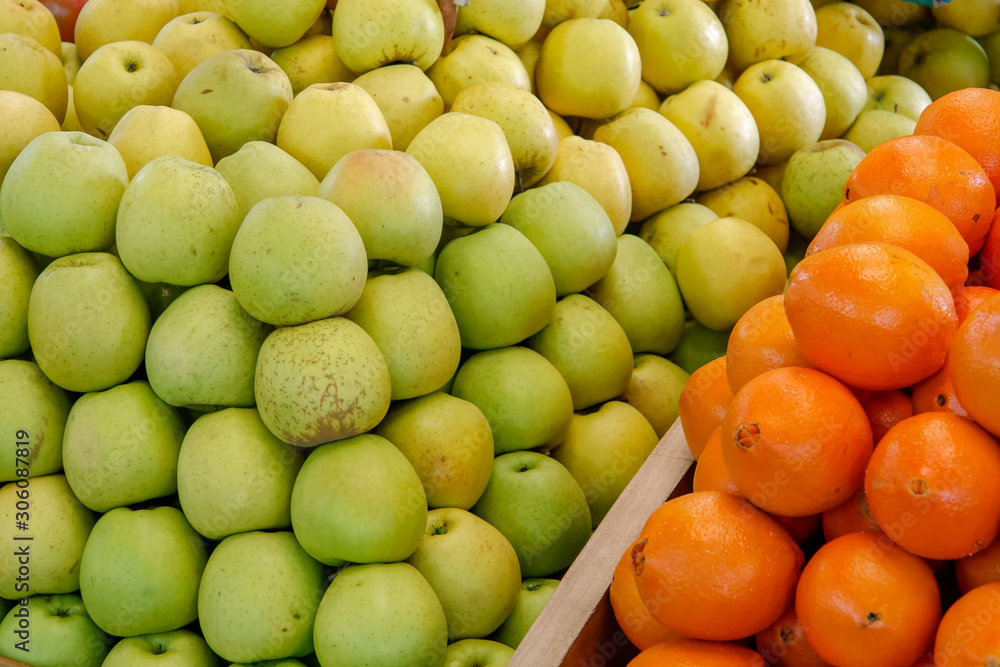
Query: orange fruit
968,298
989,258
863,601
885,409
785,645
969,634
974,364
979,569
712,566
635,620
932,486
710,472
968,118
937,394
693,653
904,222
703,403
851,516
932,170
925,661
800,528
873,315
796,441
761,341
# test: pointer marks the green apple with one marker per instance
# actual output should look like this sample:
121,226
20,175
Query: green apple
166,649
258,597
33,422
654,390
699,345
380,614
28,67
469,159
448,442
588,347
472,568
260,170
326,121
176,223
106,21
531,599
148,132
140,571
22,118
973,17
766,30
32,19
787,104
540,508
680,42
598,169
842,84
298,367
588,67
297,260
852,32
897,94
569,228
407,98
726,267
90,176
235,96
202,351
523,396
310,60
87,322
814,182
274,24
719,126
944,60
753,200
159,295
191,39
500,289
17,273
662,164
234,476
991,44
666,231
120,447
51,631
392,201
287,662
895,13
895,42
641,294
512,22
340,515
373,33
408,316
118,77
477,653
876,126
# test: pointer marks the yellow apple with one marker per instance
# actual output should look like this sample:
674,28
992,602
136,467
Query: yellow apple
22,118
105,21
662,165
666,231
766,29
191,39
472,59
842,84
852,32
31,19
895,13
260,170
275,24
557,11
373,33
617,11
563,129
753,200
216,6
898,94
645,97
312,60
71,123
876,126
512,22
655,390
973,17
719,126
772,174
323,25
407,98
28,67
146,132
70,57
589,68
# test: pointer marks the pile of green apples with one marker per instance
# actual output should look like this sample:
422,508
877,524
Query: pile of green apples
330,331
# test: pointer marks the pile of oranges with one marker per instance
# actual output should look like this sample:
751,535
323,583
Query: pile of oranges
846,504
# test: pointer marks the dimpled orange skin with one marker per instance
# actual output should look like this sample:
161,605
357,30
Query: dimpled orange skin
903,222
873,315
710,473
885,409
864,602
785,645
969,634
712,566
796,441
974,364
989,258
979,569
703,403
760,341
851,516
932,485
937,394
693,653
635,620
970,297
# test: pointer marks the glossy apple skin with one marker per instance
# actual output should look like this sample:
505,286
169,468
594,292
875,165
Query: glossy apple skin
65,12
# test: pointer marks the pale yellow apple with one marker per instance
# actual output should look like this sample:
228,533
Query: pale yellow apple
275,24
22,118
852,32
146,132
680,41
118,77
216,6
260,170
323,25
31,19
71,123
326,121
645,97
617,11
876,126
842,84
721,129
191,39
598,169
753,200
407,98
512,22
373,33
666,231
661,163
472,59
787,105
530,132
892,92
563,129
772,174
470,162
973,17
589,68
766,30
70,57
895,13
557,11
28,67
105,21
655,390
312,60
